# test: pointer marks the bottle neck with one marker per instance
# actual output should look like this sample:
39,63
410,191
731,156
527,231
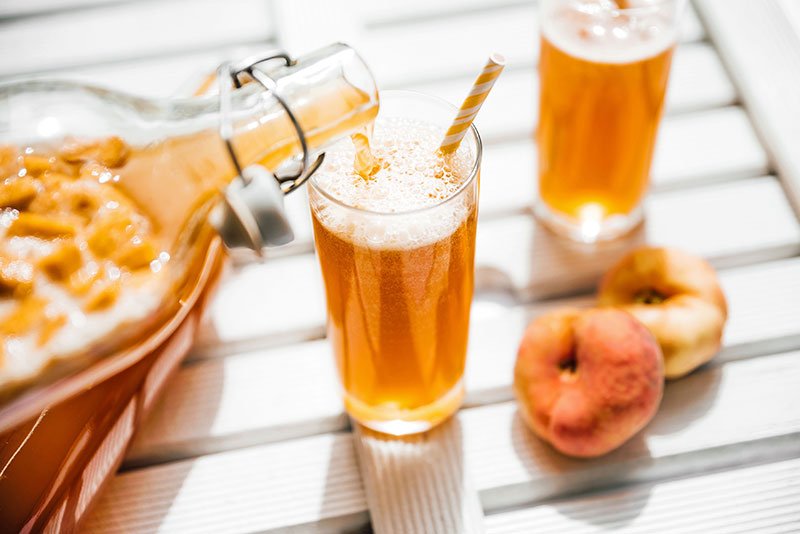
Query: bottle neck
178,178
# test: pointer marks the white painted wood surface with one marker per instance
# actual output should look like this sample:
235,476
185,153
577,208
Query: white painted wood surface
418,484
311,483
209,407
128,30
753,499
693,432
251,437
761,45
751,221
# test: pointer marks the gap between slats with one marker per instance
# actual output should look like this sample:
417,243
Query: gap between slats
738,414
693,149
512,31
115,32
698,82
386,14
709,503
210,405
734,223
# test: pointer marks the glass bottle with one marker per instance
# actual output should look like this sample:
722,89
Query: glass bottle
107,197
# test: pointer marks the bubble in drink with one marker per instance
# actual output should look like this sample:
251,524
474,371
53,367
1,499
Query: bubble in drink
397,255
365,164
412,175
603,76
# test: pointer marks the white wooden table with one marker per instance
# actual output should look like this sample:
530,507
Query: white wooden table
250,435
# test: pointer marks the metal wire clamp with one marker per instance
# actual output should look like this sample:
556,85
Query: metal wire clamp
254,216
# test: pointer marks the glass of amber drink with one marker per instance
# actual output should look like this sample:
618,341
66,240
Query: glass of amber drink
397,251
604,68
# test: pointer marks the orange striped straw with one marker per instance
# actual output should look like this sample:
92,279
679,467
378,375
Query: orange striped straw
472,104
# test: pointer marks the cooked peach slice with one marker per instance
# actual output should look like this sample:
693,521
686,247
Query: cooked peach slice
136,254
33,224
78,151
24,317
16,277
103,295
36,165
112,230
9,161
17,192
80,282
111,152
62,262
50,326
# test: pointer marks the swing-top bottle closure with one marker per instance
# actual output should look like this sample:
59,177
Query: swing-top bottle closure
253,214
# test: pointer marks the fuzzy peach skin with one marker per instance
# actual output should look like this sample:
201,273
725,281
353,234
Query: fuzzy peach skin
678,298
588,380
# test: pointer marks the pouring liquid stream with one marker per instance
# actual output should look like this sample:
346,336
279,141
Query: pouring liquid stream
365,163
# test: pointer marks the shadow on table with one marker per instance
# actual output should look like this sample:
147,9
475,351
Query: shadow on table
415,484
558,481
555,479
552,265
207,390
687,400
342,510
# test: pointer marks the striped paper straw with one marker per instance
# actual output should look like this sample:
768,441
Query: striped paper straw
472,104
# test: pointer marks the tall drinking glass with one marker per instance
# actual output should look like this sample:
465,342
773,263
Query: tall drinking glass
397,252
604,68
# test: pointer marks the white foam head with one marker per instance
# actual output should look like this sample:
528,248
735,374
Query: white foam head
408,201
595,30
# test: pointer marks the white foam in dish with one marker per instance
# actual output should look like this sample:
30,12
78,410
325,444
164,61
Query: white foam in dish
25,356
594,31
413,176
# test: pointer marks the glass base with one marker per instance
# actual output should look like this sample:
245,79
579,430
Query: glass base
399,422
591,226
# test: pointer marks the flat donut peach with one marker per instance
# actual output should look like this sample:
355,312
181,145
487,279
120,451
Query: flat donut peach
586,381
677,296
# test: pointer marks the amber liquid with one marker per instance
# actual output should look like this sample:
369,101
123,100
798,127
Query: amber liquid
175,182
398,321
198,166
597,131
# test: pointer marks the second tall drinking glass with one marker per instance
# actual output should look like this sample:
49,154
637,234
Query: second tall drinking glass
604,68
397,255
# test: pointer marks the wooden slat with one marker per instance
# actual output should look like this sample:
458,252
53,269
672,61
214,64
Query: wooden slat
760,322
19,8
402,12
417,484
760,42
312,482
713,146
693,149
243,400
747,220
436,49
279,301
744,411
282,300
114,32
738,413
160,77
755,499
698,82
209,404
